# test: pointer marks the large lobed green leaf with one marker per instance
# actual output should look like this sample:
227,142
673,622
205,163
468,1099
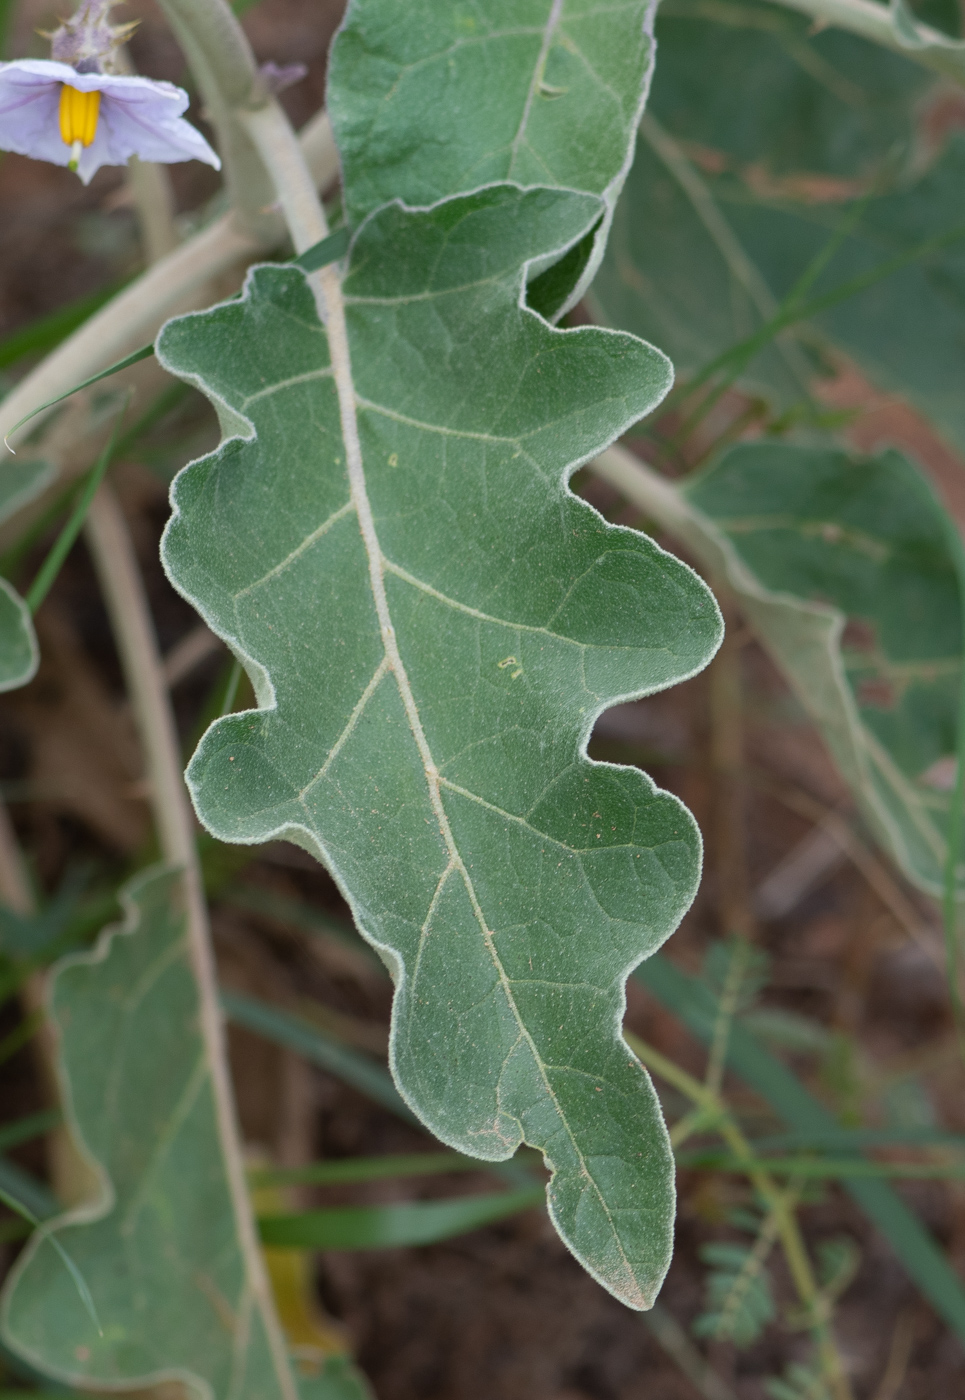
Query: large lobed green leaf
159,1248
431,100
427,690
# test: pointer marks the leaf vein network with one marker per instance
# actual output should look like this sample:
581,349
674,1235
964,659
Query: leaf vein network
330,283
299,549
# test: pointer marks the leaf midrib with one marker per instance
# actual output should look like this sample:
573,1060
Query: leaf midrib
330,282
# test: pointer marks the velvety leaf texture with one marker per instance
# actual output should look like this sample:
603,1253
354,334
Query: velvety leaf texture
847,569
431,100
427,681
20,482
158,1249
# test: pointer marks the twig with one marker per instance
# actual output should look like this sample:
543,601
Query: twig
899,1355
123,590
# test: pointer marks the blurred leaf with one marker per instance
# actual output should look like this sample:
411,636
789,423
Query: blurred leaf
765,88
20,482
775,143
799,1383
904,330
739,1303
344,1169
787,1030
159,1248
31,1193
908,1104
532,91
393,1226
845,568
28,1128
838,1262
751,965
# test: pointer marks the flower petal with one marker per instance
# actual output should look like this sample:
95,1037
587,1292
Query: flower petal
138,116
29,103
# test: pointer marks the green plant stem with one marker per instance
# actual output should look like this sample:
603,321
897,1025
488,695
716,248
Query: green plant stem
123,590
873,21
777,1201
272,135
223,66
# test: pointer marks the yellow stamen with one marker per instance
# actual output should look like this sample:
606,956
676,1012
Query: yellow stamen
78,119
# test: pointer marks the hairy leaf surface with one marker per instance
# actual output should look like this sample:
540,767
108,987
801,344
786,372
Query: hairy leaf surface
159,1249
432,100
20,482
845,567
432,621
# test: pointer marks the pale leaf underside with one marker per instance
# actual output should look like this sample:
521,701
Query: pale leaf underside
430,641
159,1250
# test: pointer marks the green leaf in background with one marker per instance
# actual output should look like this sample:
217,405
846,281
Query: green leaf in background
427,687
436,100
393,1226
846,568
766,139
904,330
158,1249
20,482
676,274
766,88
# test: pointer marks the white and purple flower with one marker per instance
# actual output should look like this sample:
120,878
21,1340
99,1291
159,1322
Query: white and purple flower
50,111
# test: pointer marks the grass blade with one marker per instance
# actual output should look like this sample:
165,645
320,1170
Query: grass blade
365,1169
392,1226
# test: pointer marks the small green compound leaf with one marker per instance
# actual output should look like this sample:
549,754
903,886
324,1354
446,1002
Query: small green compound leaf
433,753
845,568
739,1301
435,100
20,482
158,1250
